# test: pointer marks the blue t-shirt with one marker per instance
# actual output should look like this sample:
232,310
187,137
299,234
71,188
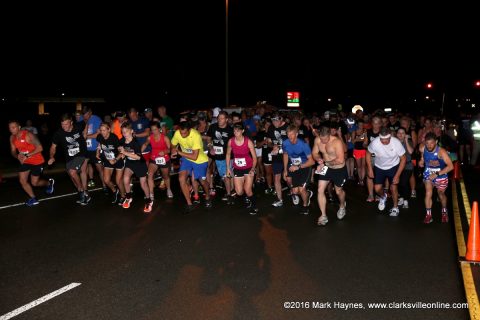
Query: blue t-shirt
297,153
250,125
93,125
140,126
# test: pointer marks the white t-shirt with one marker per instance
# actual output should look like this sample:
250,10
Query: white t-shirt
386,156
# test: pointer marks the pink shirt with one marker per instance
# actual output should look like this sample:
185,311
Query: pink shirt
242,159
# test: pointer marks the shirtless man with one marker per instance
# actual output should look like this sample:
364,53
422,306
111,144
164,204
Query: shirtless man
328,151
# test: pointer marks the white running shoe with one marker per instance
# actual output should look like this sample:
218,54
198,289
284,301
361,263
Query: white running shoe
342,211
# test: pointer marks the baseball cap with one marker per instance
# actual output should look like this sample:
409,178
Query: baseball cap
216,111
147,110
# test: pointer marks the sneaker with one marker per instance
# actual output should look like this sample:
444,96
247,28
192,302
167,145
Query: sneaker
322,221
116,194
50,188
91,184
394,212
120,201
208,203
304,211
341,212
400,202
295,199
106,190
86,199
196,198
230,200
162,185
413,194
169,194
31,202
428,219
371,199
126,203
253,211
148,206
213,192
188,208
444,217
310,195
278,203
225,197
81,197
405,204
381,203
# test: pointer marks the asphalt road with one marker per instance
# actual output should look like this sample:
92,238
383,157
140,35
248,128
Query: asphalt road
222,263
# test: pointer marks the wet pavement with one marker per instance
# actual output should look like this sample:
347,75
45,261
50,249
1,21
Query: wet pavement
221,263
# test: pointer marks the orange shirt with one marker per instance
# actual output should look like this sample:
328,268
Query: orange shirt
25,147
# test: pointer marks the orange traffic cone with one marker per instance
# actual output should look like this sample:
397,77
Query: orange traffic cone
473,244
457,173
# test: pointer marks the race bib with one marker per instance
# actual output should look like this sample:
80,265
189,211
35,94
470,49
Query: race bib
296,161
139,126
218,150
188,151
72,152
270,157
131,159
433,170
322,171
109,155
89,143
241,162
160,161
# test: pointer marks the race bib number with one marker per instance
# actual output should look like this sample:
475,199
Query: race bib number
139,126
188,151
109,155
433,170
241,162
73,151
89,143
322,171
296,161
160,161
218,150
269,157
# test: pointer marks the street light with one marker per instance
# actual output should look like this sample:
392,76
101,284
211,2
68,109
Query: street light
430,86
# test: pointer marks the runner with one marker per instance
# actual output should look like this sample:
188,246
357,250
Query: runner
244,163
329,152
159,158
70,138
107,152
437,165
130,149
276,135
297,163
193,163
26,148
92,125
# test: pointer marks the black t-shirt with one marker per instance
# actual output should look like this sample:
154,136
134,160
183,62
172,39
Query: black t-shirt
372,135
394,127
220,137
73,143
108,147
278,135
133,146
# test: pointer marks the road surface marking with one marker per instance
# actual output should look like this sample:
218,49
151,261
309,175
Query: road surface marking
35,303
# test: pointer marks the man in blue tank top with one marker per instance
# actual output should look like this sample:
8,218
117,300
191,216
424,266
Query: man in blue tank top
437,165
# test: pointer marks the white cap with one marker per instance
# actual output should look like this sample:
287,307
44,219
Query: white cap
216,111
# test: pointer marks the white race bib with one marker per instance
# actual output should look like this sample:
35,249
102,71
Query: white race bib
322,171
433,170
160,161
89,143
188,151
241,162
139,126
218,150
296,161
270,157
72,152
109,155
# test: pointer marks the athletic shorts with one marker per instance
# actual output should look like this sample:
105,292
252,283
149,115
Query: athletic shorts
381,175
139,168
199,170
301,177
359,153
35,169
162,166
258,152
277,167
338,176
119,165
76,163
92,157
239,173
440,183
222,167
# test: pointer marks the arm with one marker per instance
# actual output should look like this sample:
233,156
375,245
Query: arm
285,165
53,150
446,158
227,159
414,139
368,161
145,145
401,166
145,133
310,162
167,143
421,163
13,151
251,147
191,156
409,147
31,138
316,151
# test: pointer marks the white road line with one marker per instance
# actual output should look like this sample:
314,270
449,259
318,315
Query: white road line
35,303
49,198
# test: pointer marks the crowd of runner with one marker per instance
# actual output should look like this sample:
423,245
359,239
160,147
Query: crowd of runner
286,154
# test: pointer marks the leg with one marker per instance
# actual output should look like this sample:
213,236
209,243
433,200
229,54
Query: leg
145,187
182,179
23,178
83,174
152,168
107,178
119,181
278,186
341,196
428,194
238,183
37,182
322,200
99,168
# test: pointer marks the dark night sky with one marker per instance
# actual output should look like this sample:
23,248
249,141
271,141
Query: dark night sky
138,53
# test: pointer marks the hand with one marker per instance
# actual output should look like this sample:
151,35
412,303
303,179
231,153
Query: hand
121,150
252,172
421,163
396,179
161,153
229,173
51,161
97,156
113,161
432,176
275,150
285,174
370,173
293,168
21,157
